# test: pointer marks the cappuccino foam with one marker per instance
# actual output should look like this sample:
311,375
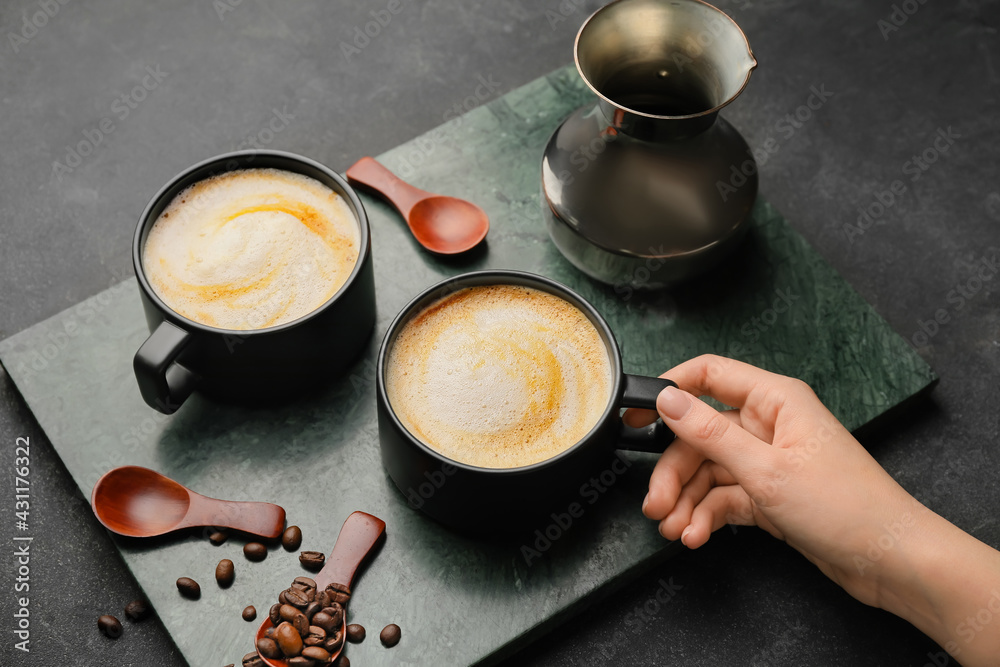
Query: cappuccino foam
251,249
499,376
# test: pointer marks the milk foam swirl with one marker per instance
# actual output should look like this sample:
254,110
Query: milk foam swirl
251,249
499,376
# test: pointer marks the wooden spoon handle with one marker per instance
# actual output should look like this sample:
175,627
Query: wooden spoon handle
262,519
359,534
371,174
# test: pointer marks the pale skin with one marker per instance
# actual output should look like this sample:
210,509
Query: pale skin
781,461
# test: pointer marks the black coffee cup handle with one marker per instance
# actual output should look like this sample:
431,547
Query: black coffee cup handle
164,383
641,392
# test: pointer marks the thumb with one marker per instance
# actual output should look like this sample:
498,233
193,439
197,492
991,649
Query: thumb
715,437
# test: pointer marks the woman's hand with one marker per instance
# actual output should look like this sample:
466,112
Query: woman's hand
780,460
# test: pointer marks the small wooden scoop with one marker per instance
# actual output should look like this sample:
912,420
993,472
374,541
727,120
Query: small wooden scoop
445,225
139,502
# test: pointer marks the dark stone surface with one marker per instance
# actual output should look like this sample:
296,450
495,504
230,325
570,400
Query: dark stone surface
746,598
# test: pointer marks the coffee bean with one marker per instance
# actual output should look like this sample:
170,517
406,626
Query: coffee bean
356,633
269,633
296,598
325,621
110,626
335,611
252,660
300,623
338,593
218,537
268,648
390,635
323,599
304,583
281,598
275,614
289,640
230,665
299,661
312,560
250,613
225,573
333,642
287,612
311,610
316,653
255,551
315,637
189,588
291,539
137,610
343,662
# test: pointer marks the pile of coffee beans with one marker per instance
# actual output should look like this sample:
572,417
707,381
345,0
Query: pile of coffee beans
307,625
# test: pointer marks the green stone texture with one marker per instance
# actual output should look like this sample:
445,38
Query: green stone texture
457,600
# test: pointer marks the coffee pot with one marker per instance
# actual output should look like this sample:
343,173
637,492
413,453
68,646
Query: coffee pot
650,186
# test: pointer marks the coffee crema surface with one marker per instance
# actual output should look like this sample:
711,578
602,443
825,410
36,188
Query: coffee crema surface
499,376
251,249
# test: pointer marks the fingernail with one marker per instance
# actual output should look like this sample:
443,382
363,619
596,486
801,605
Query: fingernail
645,501
684,535
673,403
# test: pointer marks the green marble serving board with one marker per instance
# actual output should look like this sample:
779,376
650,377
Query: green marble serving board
458,600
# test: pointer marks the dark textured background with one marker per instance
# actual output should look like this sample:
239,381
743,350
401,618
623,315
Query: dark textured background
746,598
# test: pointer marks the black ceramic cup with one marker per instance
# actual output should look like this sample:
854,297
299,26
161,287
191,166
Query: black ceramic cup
258,365
511,500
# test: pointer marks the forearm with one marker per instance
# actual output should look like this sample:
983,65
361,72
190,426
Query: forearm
946,583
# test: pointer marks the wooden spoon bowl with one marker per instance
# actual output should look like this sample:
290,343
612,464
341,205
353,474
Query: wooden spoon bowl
139,502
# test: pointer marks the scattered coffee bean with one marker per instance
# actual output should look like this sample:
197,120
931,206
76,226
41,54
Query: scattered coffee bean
275,614
137,610
390,635
252,660
343,662
291,539
218,537
189,588
250,613
289,640
230,665
312,560
356,633
255,551
110,626
225,573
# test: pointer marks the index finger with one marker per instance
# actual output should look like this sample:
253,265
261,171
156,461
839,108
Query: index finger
727,380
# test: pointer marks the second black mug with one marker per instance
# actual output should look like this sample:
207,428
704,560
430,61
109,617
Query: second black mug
509,500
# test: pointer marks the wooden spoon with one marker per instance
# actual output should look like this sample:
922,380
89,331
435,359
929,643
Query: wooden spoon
445,225
139,502
358,536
